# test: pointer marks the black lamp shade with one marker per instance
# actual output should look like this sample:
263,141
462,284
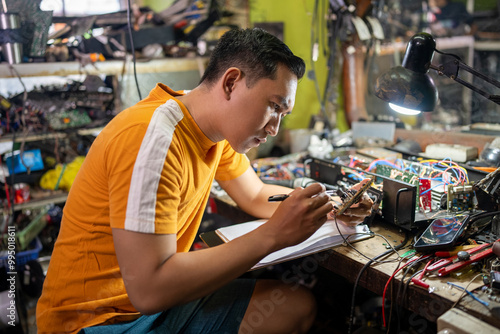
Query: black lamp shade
409,86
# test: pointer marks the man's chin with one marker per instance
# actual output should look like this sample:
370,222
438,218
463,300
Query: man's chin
244,149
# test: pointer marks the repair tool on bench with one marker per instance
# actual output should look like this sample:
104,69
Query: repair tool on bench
449,260
471,259
418,280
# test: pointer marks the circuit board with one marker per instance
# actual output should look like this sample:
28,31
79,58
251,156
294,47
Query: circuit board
460,198
350,199
404,176
68,119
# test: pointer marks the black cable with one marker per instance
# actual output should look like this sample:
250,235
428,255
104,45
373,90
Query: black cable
132,47
23,123
390,292
11,188
315,27
476,217
406,285
401,284
329,51
331,59
448,54
368,264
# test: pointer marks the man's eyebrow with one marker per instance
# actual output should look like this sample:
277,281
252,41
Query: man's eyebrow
283,101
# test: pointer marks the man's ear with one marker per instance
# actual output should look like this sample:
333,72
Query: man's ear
230,79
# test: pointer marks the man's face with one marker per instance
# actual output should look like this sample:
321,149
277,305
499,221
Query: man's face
257,111
438,3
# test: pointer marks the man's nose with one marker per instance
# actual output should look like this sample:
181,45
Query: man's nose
273,126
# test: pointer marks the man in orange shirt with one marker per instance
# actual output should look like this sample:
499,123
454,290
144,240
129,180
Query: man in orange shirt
121,261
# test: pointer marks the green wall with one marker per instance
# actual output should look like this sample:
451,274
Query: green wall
297,18
157,5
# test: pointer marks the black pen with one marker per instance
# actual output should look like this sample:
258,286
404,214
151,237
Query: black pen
278,198
282,197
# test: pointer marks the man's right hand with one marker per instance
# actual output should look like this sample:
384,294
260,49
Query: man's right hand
298,216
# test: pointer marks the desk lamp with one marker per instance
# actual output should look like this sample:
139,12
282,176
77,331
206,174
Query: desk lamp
409,89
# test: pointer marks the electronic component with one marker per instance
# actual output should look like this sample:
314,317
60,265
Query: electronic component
413,179
425,195
442,233
351,197
460,198
68,119
59,107
488,191
495,280
398,197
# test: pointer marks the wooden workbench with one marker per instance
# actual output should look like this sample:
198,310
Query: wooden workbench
429,303
346,262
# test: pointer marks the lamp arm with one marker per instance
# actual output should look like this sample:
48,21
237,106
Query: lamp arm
451,70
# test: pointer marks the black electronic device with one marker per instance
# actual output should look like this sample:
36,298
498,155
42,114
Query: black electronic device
398,197
442,233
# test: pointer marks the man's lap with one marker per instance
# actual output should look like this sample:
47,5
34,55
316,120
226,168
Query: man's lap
220,312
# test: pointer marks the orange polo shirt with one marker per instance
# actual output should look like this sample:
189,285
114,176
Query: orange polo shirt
150,170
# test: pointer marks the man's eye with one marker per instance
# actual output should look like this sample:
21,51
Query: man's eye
276,106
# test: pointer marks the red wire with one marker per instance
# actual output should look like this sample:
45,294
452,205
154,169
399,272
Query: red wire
389,280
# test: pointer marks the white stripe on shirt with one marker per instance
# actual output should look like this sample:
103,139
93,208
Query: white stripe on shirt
141,204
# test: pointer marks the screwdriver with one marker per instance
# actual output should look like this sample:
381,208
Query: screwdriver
454,251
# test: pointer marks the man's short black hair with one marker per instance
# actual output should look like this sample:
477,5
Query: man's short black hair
255,52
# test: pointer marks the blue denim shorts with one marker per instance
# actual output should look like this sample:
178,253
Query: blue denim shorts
218,313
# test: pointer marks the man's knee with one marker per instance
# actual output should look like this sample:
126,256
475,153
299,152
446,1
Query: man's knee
276,307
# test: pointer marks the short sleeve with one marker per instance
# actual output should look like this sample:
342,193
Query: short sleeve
232,164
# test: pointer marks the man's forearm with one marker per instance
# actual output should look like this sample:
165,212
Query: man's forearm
259,206
188,276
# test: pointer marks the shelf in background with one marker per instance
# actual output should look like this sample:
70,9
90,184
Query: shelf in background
49,135
109,67
42,201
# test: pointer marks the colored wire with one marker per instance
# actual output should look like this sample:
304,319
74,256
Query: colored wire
448,164
402,288
426,191
129,26
390,310
405,288
60,177
390,279
463,170
366,266
376,162
468,292
346,241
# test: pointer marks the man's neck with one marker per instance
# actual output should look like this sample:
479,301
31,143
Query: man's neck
199,103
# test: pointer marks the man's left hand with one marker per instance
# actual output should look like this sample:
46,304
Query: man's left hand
357,212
